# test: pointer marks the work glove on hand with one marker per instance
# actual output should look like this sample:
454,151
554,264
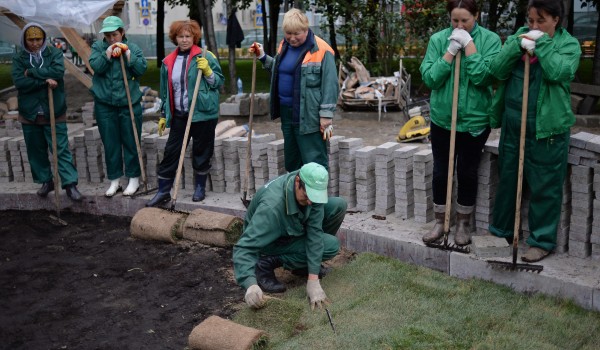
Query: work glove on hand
316,294
203,66
118,49
254,297
454,47
109,51
528,40
257,49
328,133
462,36
162,124
533,34
528,45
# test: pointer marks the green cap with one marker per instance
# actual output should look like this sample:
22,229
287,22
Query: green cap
315,178
111,23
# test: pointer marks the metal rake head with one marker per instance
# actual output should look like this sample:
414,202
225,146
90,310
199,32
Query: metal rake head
509,266
445,245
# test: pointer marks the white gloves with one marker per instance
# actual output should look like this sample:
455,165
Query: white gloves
109,52
462,36
257,49
254,297
316,294
528,40
454,47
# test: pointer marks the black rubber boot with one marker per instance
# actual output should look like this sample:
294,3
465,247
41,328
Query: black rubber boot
200,191
323,271
164,193
47,187
265,274
73,193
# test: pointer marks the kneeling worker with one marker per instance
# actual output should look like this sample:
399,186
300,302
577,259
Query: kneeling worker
292,223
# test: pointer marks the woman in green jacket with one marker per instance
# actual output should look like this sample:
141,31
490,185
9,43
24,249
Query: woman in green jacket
554,58
474,97
35,69
111,107
178,76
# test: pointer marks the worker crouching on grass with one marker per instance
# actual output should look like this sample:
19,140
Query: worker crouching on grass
111,106
35,68
292,223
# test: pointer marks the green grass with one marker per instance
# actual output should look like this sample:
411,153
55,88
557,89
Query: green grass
381,303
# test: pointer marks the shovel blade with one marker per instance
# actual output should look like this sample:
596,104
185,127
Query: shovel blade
509,266
56,221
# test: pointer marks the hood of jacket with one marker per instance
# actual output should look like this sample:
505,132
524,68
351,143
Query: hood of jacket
37,56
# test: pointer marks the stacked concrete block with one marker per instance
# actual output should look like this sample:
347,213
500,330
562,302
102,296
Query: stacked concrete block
6,174
161,143
239,105
403,181
95,154
584,149
87,114
562,233
150,143
242,148
487,183
15,159
422,183
260,158
333,189
25,159
365,178
276,159
217,169
80,155
595,236
347,179
232,165
384,178
188,173
581,211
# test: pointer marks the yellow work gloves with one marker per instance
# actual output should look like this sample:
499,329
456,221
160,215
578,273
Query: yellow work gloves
162,124
203,66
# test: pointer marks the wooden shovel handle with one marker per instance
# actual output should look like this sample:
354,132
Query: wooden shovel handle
452,143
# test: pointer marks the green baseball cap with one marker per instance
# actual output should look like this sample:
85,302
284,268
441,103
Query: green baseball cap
315,178
111,23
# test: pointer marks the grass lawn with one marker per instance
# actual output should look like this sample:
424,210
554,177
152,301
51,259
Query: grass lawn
382,303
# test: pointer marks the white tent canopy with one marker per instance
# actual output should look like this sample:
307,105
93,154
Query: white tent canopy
67,13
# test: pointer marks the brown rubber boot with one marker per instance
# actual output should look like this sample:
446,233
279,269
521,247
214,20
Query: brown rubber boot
463,224
438,229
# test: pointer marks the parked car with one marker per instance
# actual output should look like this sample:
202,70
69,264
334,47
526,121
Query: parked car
584,25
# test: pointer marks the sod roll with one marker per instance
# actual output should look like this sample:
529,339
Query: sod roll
216,333
212,228
157,224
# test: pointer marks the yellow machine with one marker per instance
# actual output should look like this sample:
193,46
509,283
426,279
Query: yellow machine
415,129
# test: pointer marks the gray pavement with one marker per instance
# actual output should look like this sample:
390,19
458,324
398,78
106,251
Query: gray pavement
563,276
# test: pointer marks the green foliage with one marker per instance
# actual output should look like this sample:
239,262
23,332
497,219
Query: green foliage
5,77
382,303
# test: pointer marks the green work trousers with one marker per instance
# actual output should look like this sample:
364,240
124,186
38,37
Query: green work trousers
292,251
301,149
114,124
544,171
38,139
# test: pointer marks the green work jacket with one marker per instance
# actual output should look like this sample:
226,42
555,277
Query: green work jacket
475,91
207,102
273,214
108,86
318,87
559,58
33,89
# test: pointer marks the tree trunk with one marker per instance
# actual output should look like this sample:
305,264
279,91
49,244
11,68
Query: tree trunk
493,15
160,32
331,24
372,32
266,40
596,64
567,21
209,33
274,7
521,14
231,59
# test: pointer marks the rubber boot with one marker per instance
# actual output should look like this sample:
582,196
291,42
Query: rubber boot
132,186
46,188
73,193
438,229
323,271
265,274
115,187
200,189
164,193
462,236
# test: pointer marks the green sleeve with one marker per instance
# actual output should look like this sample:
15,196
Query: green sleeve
164,94
54,70
434,69
137,62
314,238
98,60
478,64
24,83
505,61
329,87
559,63
217,71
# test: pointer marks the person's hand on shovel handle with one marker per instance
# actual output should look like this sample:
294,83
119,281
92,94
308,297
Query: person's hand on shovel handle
52,83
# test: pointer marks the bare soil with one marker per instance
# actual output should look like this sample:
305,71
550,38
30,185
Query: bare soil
89,285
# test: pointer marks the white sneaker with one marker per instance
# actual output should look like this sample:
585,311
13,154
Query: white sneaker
132,187
115,186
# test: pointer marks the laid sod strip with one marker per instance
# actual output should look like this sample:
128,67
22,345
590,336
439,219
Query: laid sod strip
381,303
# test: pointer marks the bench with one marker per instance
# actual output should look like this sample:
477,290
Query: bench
584,98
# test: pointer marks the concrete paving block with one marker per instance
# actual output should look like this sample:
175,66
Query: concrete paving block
583,153
387,148
580,139
490,246
573,159
579,249
349,143
491,146
423,156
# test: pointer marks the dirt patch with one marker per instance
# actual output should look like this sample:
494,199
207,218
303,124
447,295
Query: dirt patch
89,285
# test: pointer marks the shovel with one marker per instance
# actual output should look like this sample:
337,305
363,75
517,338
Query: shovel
245,201
445,245
503,264
135,133
185,138
55,219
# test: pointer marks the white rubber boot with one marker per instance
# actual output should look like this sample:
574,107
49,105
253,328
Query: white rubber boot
132,187
115,186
